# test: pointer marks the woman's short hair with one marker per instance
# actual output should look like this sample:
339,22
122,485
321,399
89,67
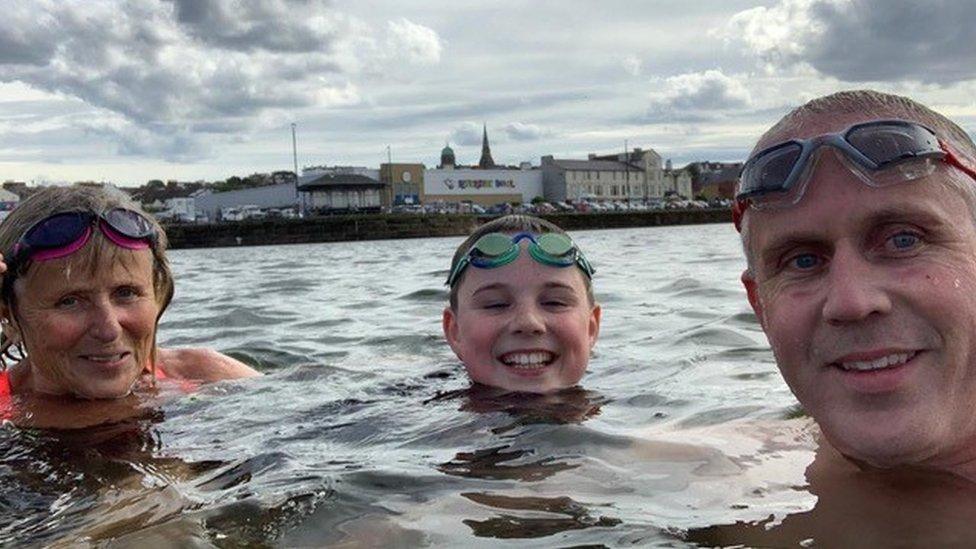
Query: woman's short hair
52,200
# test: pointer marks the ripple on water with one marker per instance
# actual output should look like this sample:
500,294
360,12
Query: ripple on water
715,336
427,295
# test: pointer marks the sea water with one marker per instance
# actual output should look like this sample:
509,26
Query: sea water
365,431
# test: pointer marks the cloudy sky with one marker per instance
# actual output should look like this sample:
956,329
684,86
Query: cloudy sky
128,91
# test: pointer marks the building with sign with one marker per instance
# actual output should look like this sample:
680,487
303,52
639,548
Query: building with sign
632,175
483,186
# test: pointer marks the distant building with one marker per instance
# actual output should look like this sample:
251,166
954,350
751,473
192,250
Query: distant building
341,192
19,188
209,204
633,175
8,201
405,183
180,209
447,158
483,186
678,181
715,179
486,162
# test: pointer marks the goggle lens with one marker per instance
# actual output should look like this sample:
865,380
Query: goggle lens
58,230
771,171
493,245
887,144
128,223
554,244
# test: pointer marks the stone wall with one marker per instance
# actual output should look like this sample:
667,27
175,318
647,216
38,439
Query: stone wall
387,226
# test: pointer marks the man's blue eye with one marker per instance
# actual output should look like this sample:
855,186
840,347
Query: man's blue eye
904,241
805,261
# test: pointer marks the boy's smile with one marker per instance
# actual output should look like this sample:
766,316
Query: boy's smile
523,326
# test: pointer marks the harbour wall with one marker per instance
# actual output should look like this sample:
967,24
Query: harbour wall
391,226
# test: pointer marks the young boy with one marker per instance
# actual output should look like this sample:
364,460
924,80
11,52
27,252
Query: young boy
522,315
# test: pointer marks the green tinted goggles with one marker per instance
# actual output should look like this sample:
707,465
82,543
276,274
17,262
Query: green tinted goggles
498,249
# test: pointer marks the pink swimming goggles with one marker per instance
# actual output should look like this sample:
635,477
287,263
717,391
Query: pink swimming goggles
64,233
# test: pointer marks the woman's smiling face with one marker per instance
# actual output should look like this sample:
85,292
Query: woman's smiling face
523,326
88,332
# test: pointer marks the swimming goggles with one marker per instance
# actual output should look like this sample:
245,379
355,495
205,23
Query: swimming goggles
64,233
880,153
497,249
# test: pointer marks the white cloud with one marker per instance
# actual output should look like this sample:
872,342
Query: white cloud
694,95
413,43
862,40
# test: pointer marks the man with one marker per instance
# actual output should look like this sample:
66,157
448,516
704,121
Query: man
858,219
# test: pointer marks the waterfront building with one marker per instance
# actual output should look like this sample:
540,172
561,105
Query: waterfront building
485,187
715,179
181,209
678,181
486,184
209,204
632,175
342,192
405,183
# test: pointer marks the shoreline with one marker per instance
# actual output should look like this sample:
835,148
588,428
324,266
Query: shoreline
354,227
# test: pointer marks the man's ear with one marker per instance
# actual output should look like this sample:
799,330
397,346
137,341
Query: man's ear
593,328
452,332
752,291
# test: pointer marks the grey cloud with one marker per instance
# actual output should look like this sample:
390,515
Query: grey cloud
245,25
865,40
467,134
171,144
526,132
180,67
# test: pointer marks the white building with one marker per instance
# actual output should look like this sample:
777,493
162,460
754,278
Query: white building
634,175
482,186
179,209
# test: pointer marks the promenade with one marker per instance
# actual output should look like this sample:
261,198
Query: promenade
340,228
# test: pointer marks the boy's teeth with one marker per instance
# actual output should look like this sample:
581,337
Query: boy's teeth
877,364
528,360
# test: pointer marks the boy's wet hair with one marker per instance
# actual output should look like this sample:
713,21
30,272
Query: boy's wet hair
517,223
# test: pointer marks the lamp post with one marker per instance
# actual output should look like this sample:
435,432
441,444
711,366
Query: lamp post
294,156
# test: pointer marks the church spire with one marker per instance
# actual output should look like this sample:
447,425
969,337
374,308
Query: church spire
486,161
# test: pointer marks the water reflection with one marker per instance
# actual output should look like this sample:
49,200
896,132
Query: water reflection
861,508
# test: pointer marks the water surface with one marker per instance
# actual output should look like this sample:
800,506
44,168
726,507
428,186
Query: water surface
366,432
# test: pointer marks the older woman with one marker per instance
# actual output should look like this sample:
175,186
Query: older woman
87,280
